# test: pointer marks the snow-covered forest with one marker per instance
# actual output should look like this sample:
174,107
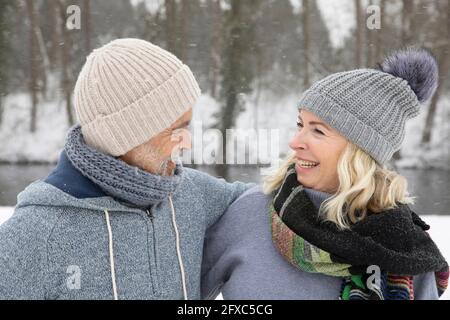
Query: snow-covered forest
253,60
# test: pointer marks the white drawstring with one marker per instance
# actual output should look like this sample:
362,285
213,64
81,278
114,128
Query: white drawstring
111,255
177,239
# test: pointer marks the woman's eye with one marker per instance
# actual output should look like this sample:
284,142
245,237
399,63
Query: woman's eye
317,130
300,125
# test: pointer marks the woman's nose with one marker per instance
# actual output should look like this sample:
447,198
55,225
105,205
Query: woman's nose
298,141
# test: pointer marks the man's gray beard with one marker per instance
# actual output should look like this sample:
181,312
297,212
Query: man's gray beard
164,167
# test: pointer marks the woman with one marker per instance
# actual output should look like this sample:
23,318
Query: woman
333,222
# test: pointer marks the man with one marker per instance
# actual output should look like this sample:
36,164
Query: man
118,218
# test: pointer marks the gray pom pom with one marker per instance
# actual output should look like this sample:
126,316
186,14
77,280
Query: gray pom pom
417,66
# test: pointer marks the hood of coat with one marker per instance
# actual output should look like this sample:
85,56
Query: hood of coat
65,186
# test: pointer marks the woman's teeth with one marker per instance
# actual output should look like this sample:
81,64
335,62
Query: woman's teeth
307,164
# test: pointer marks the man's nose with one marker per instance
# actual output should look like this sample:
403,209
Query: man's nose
185,139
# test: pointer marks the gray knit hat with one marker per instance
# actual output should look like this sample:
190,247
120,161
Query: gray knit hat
370,107
128,91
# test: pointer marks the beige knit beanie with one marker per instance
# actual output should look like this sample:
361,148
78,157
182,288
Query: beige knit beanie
128,91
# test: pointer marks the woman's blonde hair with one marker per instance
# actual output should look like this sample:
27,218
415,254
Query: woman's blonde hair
363,185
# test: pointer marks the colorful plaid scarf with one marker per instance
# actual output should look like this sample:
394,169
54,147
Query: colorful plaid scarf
394,242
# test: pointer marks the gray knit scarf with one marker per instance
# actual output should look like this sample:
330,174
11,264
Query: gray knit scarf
117,179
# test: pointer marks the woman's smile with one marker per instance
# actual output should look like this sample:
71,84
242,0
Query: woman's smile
305,166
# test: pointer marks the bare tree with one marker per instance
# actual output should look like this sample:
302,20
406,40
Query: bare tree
358,33
5,49
306,40
45,66
54,34
216,46
65,61
183,29
87,25
380,33
444,68
33,69
153,25
42,60
170,6
237,71
407,21
370,36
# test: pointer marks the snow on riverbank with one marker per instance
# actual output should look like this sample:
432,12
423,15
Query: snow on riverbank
264,111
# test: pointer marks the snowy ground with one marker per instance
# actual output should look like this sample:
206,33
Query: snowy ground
5,213
440,226
19,144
